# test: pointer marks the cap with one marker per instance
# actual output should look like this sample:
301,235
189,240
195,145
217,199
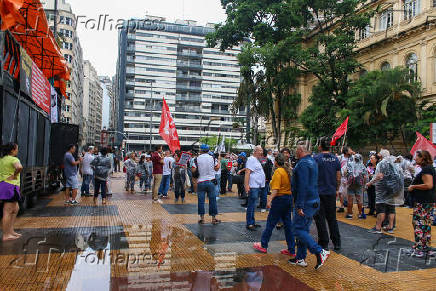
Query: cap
243,154
204,147
147,156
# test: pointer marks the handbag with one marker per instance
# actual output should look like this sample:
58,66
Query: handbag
187,180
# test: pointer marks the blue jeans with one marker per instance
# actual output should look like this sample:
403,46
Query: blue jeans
165,185
100,184
253,196
209,188
230,182
281,209
304,240
217,186
85,184
263,196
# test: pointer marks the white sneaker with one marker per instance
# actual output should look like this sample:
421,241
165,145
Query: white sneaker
321,259
262,210
301,263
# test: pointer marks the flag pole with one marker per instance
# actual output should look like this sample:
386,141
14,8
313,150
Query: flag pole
345,137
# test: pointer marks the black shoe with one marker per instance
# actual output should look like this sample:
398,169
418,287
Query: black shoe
257,225
341,210
244,205
258,206
251,227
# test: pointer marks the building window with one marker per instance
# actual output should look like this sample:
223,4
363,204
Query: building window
411,8
385,66
386,19
434,3
66,32
67,45
364,33
68,58
412,65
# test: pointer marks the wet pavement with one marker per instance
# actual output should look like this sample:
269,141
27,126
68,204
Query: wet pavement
132,244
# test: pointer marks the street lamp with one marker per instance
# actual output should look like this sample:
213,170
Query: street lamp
151,111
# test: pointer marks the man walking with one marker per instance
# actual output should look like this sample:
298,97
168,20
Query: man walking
87,172
70,172
305,181
254,182
329,179
157,160
168,163
206,166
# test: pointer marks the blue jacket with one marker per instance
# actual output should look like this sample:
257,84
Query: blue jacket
305,185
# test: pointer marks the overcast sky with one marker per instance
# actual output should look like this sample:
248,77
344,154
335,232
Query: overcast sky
101,47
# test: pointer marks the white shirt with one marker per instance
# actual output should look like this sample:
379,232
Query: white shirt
257,176
86,164
206,167
168,165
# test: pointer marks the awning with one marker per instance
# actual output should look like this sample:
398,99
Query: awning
27,21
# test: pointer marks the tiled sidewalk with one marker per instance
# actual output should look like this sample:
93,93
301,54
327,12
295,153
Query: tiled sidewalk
133,244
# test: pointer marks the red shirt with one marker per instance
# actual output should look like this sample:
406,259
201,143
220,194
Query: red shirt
157,165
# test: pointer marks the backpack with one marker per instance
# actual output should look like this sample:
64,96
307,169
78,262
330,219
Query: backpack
355,180
394,182
100,170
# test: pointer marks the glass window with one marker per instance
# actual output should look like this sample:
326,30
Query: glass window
411,8
386,19
412,65
385,66
363,33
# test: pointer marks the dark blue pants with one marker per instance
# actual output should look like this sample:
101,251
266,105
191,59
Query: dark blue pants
281,209
165,185
209,188
85,184
264,196
230,182
253,196
304,240
100,184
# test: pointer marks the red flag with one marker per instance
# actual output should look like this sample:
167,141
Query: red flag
423,144
340,132
168,129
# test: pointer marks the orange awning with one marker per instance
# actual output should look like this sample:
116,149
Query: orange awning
27,21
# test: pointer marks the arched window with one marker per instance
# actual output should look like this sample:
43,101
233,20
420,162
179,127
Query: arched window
412,65
385,66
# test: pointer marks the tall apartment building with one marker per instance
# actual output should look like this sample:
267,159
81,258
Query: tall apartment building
108,100
65,19
158,59
92,101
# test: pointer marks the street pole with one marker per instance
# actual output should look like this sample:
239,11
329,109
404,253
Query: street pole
151,114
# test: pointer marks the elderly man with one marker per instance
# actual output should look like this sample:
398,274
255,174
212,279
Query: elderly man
87,172
305,187
389,191
254,183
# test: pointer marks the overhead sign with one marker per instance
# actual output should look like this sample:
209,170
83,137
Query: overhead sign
40,89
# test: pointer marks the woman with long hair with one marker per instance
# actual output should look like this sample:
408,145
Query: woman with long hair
280,204
10,168
372,165
424,197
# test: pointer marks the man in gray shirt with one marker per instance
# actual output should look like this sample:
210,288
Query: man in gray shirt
70,172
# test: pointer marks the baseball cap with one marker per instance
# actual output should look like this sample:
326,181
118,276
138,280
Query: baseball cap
243,154
204,147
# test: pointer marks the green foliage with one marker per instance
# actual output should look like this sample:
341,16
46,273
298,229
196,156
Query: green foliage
213,140
380,105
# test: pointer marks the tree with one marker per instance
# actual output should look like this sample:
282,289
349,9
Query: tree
313,37
213,141
381,104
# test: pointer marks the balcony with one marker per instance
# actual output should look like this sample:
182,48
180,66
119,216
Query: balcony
188,109
186,64
189,54
189,88
215,111
188,76
188,98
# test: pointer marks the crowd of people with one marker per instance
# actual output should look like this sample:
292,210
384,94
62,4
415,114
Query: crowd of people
295,188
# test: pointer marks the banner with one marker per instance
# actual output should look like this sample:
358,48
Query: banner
340,131
184,158
167,129
40,89
54,106
26,73
423,144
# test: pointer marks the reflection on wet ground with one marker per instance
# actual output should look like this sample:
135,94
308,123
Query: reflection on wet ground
259,278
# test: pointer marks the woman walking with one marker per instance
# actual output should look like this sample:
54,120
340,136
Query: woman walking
10,168
102,168
280,206
423,192
130,166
